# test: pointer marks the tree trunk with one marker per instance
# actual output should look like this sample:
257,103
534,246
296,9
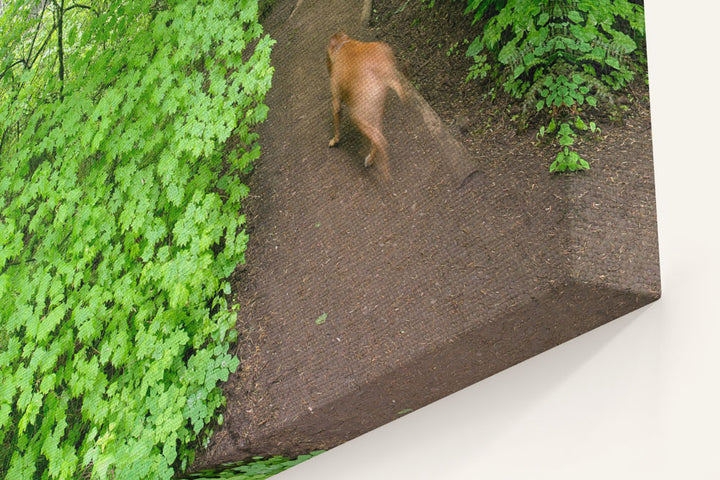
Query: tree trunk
59,10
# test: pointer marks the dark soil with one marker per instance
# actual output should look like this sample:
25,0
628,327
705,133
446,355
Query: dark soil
362,299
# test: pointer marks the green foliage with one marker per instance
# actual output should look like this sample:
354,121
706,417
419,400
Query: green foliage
258,468
321,319
560,57
119,227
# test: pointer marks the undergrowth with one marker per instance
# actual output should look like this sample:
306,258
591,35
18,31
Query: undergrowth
562,59
119,227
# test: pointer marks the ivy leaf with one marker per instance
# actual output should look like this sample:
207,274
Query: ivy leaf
575,16
613,62
49,323
565,140
519,70
474,48
624,42
565,135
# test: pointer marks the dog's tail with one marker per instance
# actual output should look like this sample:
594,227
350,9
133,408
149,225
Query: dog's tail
393,77
398,84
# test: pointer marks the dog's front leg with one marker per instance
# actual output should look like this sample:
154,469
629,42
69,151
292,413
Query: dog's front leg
336,120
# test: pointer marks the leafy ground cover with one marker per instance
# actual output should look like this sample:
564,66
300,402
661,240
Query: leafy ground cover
561,66
559,58
258,468
119,226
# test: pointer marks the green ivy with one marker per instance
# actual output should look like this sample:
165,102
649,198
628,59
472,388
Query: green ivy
124,126
561,58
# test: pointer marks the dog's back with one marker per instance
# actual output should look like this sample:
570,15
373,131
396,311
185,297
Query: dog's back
359,66
360,74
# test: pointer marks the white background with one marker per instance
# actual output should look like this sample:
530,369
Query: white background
638,398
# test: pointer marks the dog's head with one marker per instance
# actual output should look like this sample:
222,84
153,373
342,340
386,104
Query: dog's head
336,41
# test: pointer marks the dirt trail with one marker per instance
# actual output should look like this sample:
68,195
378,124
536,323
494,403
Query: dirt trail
362,299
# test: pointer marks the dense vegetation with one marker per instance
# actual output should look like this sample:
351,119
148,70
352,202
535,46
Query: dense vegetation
123,127
560,58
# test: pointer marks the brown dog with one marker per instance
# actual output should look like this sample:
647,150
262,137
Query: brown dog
360,74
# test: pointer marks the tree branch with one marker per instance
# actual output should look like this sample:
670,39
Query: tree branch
29,62
15,63
47,39
77,5
2,140
37,32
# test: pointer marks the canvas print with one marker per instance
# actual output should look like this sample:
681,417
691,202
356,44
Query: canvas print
238,234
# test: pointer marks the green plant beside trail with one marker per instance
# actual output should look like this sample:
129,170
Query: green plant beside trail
258,468
119,227
561,58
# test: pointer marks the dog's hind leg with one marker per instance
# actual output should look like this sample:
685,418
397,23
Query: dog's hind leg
378,147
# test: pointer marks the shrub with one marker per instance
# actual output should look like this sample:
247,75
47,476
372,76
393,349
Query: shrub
559,58
119,227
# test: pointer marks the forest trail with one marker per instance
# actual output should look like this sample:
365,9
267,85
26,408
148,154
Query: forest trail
362,298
